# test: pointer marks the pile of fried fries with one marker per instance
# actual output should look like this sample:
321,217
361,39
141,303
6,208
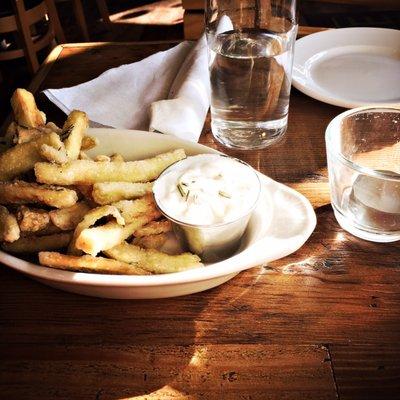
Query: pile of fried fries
53,196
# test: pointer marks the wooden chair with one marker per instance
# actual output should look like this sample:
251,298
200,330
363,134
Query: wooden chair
80,15
21,22
103,9
80,19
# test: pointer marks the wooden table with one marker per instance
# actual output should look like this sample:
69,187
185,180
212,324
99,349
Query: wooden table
322,323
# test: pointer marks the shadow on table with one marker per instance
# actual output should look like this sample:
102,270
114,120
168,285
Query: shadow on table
57,345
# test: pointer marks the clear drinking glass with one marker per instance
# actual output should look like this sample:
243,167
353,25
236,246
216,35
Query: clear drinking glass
363,149
250,47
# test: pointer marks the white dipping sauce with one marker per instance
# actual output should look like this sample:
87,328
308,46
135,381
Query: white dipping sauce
207,189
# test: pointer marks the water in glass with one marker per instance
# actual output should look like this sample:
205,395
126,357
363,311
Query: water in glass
250,74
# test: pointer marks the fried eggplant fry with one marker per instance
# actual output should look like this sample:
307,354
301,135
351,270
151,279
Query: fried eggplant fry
130,209
51,127
32,219
87,263
102,157
20,192
151,241
154,228
35,244
117,157
9,229
68,218
90,172
153,260
100,238
22,157
25,135
11,133
25,110
74,130
53,155
90,219
111,192
89,142
83,156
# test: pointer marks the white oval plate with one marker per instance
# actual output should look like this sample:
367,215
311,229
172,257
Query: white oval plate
281,223
349,67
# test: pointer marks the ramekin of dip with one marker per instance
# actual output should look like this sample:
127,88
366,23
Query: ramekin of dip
209,198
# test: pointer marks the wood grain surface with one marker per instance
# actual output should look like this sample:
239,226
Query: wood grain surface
322,323
174,372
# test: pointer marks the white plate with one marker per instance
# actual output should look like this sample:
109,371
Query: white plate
350,67
281,223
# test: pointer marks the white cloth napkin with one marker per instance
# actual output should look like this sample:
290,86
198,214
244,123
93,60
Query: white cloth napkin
167,92
184,111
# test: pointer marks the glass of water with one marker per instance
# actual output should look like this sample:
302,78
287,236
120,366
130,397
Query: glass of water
250,45
363,151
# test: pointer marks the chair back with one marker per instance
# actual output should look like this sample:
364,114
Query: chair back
22,23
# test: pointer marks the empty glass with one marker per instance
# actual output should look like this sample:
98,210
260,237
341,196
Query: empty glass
250,59
363,150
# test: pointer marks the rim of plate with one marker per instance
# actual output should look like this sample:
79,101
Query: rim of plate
341,36
225,267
